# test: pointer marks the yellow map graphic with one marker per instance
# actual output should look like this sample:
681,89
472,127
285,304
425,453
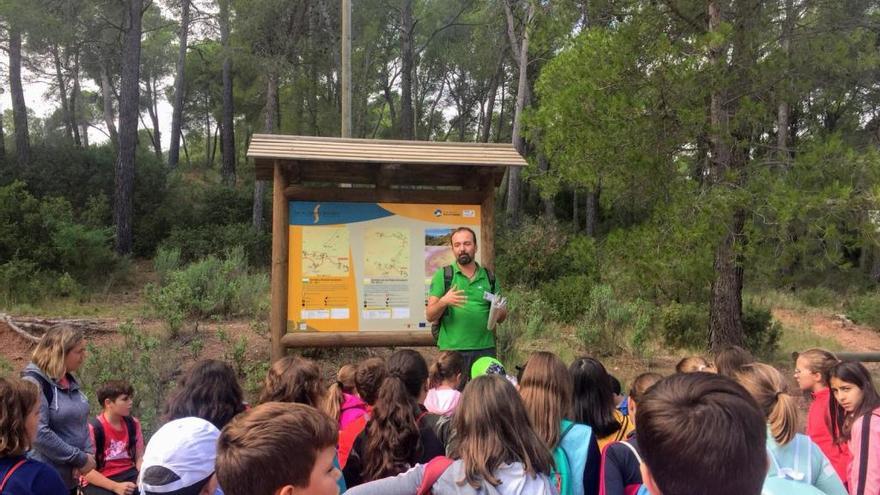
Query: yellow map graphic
386,253
325,252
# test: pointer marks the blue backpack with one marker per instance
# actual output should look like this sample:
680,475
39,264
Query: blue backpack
570,457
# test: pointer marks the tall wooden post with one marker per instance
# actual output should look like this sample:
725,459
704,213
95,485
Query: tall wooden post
346,68
280,228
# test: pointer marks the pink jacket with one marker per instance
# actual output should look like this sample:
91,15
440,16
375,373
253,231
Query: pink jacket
872,480
819,431
353,407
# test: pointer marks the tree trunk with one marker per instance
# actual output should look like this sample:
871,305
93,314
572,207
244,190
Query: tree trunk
783,113
591,222
490,105
271,112
548,204
74,98
227,170
725,308
2,140
177,104
153,110
128,126
19,108
107,97
407,69
62,94
575,215
514,185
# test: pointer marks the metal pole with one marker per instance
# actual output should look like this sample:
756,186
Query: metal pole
346,68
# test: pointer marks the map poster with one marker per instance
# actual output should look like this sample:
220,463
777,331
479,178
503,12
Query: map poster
367,266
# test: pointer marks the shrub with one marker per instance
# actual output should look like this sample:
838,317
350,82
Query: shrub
531,254
762,332
166,261
207,240
685,325
864,309
568,296
611,325
818,297
207,288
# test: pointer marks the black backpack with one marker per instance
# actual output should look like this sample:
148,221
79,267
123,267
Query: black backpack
45,385
100,439
447,283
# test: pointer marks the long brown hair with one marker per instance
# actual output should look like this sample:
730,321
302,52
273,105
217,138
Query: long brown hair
855,373
293,379
344,384
210,391
818,361
770,390
546,390
17,399
448,365
493,428
393,440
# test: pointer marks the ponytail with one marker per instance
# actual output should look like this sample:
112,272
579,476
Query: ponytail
392,435
344,384
770,390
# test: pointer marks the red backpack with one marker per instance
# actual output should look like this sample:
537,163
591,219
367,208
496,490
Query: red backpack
433,470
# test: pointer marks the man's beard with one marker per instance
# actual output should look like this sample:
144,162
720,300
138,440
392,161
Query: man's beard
464,259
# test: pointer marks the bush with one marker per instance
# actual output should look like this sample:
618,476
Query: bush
531,254
569,297
865,309
611,325
207,288
762,332
685,325
817,297
214,240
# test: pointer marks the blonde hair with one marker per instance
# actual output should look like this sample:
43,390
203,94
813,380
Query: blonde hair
770,390
344,384
52,350
692,364
546,389
818,361
17,399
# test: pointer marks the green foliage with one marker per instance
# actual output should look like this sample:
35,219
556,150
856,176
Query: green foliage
141,359
540,251
685,325
208,288
864,309
818,297
6,368
762,332
612,325
568,296
194,243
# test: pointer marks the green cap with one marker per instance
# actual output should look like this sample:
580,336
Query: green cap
487,365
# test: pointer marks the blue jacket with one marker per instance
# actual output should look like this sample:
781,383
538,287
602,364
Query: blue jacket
63,440
31,478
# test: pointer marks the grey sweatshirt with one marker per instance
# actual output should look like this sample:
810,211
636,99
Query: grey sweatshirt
63,434
514,481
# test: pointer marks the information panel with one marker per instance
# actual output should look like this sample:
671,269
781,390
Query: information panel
368,266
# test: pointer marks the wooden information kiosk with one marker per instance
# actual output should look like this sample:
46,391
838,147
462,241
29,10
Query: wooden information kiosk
359,226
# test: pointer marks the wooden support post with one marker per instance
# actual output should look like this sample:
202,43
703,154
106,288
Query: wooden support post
280,227
401,338
487,223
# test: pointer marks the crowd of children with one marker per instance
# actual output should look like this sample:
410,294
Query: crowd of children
730,426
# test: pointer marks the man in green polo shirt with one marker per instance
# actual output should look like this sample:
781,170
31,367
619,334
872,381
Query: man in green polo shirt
463,310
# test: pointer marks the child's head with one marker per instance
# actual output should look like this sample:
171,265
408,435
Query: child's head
344,384
546,392
180,458
446,370
692,364
19,416
639,387
293,379
731,358
493,428
810,368
115,397
593,399
393,432
369,377
210,391
770,390
854,396
253,452
701,434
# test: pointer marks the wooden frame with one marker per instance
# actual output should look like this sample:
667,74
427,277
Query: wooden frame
362,170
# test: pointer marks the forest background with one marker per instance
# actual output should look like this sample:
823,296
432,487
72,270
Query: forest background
696,168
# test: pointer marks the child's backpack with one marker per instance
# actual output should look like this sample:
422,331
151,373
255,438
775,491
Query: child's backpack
100,440
629,488
433,470
570,458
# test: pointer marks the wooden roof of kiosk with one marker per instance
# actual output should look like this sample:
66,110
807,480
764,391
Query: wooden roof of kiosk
305,168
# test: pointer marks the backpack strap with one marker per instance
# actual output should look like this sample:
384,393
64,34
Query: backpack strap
633,450
863,452
565,431
45,386
132,437
491,276
433,470
447,278
13,469
100,439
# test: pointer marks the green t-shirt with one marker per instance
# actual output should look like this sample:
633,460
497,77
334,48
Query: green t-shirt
464,328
